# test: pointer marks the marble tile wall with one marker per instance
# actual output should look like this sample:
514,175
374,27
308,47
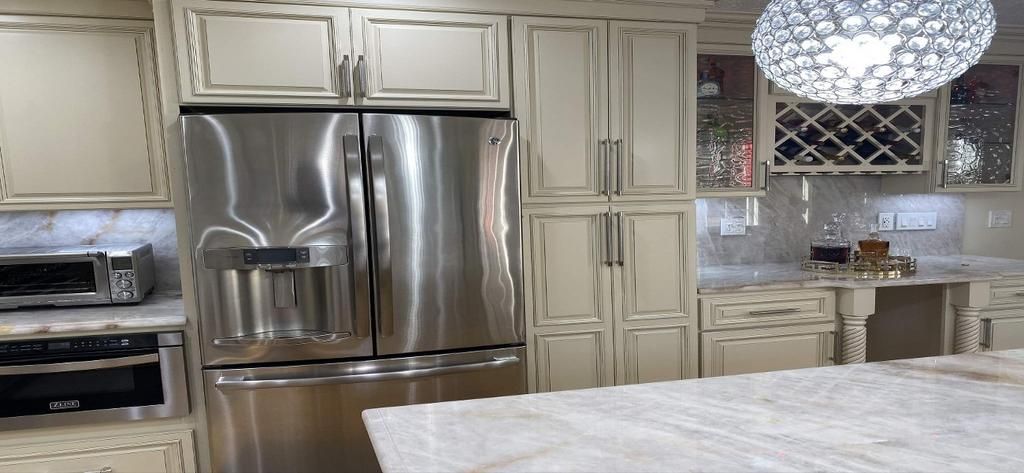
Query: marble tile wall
781,225
93,227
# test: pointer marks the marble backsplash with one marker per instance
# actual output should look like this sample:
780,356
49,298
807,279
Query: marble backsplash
96,227
780,226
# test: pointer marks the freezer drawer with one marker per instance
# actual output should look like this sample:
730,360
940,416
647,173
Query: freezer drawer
307,418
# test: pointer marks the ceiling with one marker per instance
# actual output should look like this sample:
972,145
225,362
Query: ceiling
1008,12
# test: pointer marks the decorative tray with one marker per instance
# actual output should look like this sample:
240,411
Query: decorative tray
890,268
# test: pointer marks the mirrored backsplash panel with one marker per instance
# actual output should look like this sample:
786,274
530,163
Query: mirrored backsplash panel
97,227
780,225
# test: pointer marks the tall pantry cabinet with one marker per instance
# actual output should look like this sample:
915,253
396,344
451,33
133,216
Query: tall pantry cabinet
607,151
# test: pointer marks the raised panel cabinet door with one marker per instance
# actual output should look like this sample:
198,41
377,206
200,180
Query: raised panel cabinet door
576,359
561,100
770,349
431,59
171,452
652,353
653,110
655,255
567,256
80,114
1004,334
259,53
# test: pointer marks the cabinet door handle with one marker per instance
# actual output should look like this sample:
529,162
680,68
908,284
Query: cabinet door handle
606,164
105,469
767,176
788,310
363,76
622,244
832,346
608,238
618,166
346,77
986,333
945,174
1021,293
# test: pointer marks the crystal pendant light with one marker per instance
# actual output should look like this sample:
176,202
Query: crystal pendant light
870,51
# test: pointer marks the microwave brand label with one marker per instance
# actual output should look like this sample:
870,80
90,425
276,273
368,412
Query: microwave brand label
62,405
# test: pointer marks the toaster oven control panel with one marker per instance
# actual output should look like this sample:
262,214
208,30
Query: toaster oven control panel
123,283
66,346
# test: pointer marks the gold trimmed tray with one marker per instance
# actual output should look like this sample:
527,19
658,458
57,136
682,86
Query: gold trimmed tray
892,268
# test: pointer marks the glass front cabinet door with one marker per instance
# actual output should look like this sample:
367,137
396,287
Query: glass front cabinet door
982,142
726,107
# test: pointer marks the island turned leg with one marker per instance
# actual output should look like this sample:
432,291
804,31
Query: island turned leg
855,306
967,338
968,300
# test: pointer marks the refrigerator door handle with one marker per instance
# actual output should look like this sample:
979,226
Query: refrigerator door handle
358,230
238,383
386,312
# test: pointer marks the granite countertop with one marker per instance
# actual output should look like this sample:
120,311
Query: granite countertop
953,413
930,270
157,312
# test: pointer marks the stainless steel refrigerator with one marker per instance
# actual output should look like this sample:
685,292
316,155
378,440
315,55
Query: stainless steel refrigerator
344,262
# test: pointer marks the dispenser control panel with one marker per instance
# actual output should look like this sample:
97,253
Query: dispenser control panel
275,256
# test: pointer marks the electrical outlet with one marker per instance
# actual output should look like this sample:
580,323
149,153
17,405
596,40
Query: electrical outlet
886,221
732,226
1000,218
916,220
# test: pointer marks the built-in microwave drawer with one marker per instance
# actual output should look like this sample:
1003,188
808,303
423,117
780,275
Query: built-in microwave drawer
1007,293
746,310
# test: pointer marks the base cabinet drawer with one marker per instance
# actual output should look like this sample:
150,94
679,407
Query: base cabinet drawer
768,349
766,309
1008,293
149,453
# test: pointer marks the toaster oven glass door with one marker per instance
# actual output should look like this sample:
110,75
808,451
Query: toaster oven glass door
59,280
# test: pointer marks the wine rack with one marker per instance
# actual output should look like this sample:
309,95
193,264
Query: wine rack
819,138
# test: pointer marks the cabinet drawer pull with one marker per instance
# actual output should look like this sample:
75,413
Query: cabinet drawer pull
789,310
105,469
1019,293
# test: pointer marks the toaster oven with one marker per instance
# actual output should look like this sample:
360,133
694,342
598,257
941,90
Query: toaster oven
77,275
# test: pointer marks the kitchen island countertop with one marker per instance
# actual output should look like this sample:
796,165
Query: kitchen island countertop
156,313
780,276
953,413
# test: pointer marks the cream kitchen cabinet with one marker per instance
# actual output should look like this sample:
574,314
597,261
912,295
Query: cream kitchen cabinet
605,110
171,452
259,53
767,349
1002,330
79,115
611,294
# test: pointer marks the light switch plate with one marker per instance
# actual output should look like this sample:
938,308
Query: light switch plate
916,221
886,221
732,226
1000,218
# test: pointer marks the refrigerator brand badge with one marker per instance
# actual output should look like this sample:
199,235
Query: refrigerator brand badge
62,405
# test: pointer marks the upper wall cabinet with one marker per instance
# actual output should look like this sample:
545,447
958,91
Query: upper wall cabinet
604,122
981,142
726,111
234,52
431,59
79,115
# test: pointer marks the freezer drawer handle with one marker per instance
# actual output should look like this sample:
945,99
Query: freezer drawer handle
234,383
283,338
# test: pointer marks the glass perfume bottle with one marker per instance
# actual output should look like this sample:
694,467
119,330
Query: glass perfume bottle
874,248
830,245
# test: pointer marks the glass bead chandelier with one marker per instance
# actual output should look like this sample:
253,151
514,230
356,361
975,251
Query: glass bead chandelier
870,51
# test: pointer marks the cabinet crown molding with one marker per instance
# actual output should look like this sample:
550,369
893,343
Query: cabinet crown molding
687,11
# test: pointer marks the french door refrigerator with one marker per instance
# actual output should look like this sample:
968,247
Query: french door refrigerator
344,262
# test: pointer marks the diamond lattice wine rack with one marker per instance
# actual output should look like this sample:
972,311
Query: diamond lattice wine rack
819,138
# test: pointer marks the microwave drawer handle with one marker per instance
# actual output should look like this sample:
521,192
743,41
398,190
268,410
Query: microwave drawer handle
226,383
70,366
